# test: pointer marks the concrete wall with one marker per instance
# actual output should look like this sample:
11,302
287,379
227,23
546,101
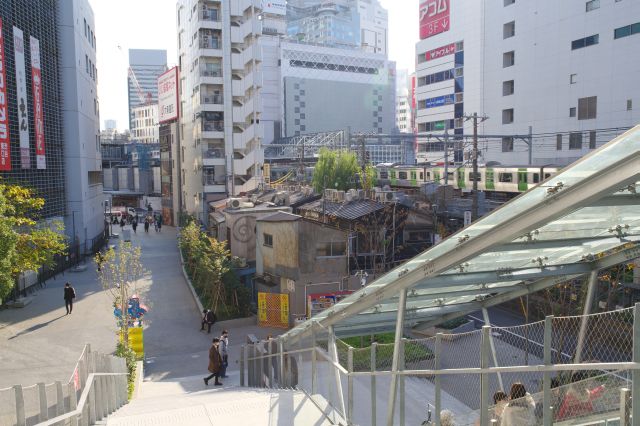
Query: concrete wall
281,258
241,230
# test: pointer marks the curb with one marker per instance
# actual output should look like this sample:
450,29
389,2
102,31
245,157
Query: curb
139,379
186,278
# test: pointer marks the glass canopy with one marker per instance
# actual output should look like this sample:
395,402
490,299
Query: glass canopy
585,218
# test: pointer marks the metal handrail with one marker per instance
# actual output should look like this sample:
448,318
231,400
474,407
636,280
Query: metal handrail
81,403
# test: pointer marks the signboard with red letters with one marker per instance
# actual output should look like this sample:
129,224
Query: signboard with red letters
434,17
36,84
440,52
168,96
5,151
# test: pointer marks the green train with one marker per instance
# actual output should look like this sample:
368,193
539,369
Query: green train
509,179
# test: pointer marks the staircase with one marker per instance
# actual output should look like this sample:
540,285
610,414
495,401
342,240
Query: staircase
187,401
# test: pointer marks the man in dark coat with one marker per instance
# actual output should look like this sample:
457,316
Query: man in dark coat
208,318
215,362
69,295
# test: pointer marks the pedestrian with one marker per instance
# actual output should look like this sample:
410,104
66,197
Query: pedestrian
500,400
578,398
520,411
121,222
209,318
159,223
215,362
69,295
224,343
155,222
146,225
134,225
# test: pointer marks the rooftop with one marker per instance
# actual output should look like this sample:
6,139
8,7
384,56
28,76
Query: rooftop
347,210
280,217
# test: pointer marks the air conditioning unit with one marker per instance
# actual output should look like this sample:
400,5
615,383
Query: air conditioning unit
348,197
390,196
234,203
339,196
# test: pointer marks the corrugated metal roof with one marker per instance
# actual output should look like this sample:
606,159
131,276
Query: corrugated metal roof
280,217
347,210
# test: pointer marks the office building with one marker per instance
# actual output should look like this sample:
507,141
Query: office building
566,70
110,125
404,108
145,125
147,65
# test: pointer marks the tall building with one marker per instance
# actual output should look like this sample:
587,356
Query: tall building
566,70
220,77
147,65
110,124
404,110
339,23
80,110
145,126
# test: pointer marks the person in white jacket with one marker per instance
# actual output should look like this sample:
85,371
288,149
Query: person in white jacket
520,411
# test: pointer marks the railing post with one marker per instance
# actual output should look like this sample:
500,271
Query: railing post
635,374
283,380
242,365
20,415
333,350
350,385
268,364
374,413
438,384
401,367
73,402
99,397
402,304
42,397
625,407
314,361
250,354
260,361
484,377
92,403
111,394
547,413
59,399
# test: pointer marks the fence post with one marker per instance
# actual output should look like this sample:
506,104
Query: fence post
283,380
92,402
401,367
42,397
59,399
547,413
350,385
20,415
314,361
250,364
268,363
333,351
260,361
242,365
438,384
635,374
484,377
402,305
625,407
73,402
374,413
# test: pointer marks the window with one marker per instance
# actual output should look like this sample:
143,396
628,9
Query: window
626,30
507,88
268,240
402,175
505,177
585,42
331,248
572,112
507,144
575,140
587,108
508,59
573,78
629,104
536,177
436,77
85,28
418,236
509,2
592,139
509,29
507,116
86,63
593,5
475,177
558,142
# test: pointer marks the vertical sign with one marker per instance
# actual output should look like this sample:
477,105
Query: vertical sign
21,90
284,310
36,81
262,308
5,149
434,17
168,96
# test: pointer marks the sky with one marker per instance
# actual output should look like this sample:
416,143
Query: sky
150,24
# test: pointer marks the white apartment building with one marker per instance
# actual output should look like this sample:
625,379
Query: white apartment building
568,70
404,111
84,220
144,124
220,76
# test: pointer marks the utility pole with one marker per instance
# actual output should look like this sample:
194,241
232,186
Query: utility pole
474,157
446,165
363,154
301,165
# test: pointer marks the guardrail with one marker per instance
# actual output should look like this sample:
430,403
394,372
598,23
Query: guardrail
573,376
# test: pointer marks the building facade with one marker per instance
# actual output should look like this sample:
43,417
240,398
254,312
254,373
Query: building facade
147,65
220,77
145,126
404,110
569,76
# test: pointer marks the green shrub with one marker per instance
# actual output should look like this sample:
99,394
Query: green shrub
130,359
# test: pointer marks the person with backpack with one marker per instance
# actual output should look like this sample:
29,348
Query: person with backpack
209,318
69,295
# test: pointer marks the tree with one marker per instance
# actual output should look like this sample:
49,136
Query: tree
119,270
368,177
26,244
335,170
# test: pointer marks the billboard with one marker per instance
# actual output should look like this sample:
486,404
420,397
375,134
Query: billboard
439,101
277,7
434,17
5,149
21,91
440,52
168,96
36,84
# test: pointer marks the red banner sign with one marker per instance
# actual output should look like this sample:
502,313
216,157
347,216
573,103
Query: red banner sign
36,81
434,17
441,51
5,151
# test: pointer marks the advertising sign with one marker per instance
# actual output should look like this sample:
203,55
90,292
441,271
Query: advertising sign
440,101
440,52
318,302
5,150
434,17
36,82
277,7
21,91
168,96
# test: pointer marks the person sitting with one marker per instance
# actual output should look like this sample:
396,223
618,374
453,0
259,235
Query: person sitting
500,400
209,318
578,398
520,411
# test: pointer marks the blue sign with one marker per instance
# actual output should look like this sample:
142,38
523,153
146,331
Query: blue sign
439,101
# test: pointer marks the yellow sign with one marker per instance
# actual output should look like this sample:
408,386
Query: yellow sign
136,341
284,309
262,307
273,310
266,173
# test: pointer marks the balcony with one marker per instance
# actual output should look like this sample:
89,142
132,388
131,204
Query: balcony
211,102
210,70
212,156
210,15
209,42
213,126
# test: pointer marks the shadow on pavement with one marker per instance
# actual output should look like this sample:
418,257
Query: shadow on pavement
36,327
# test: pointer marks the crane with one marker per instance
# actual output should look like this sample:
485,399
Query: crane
132,75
